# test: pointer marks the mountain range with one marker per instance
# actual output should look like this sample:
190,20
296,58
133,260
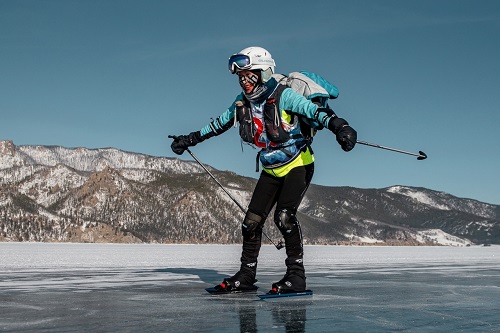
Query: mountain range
59,194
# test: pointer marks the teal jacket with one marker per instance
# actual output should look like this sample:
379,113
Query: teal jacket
275,155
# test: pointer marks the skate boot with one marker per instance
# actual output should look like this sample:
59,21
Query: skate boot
237,282
290,283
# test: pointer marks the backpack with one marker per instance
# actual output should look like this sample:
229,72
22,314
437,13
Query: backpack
313,87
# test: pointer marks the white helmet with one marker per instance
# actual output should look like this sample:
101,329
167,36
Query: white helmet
253,58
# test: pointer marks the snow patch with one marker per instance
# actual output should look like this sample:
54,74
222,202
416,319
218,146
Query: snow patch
362,239
418,196
440,237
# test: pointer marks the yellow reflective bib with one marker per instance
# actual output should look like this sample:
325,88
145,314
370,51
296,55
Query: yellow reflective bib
304,158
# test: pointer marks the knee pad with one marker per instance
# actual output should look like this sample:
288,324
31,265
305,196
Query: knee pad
251,223
285,220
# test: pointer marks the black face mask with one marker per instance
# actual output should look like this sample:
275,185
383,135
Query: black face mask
252,78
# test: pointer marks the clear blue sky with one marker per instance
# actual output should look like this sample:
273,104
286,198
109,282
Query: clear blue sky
412,75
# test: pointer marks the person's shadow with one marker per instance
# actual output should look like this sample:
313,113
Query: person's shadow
208,276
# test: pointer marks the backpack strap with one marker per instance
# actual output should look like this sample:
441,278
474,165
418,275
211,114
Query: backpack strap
276,95
273,118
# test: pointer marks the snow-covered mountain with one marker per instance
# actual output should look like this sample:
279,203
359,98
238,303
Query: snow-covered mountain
52,193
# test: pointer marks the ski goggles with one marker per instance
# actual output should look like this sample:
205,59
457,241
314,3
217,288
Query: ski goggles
240,61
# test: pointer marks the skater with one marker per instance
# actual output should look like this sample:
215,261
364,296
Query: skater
269,116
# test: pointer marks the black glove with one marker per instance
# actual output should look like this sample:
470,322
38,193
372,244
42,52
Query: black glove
346,135
251,224
183,142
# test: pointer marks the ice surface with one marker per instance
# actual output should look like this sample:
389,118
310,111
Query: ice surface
160,288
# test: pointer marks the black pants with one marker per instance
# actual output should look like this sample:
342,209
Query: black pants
286,193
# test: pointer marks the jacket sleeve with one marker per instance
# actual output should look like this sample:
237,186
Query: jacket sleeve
296,103
222,123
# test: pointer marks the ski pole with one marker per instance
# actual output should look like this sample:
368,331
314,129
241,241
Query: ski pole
420,156
280,245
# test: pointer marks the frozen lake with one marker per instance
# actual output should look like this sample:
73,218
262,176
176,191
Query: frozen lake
160,288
